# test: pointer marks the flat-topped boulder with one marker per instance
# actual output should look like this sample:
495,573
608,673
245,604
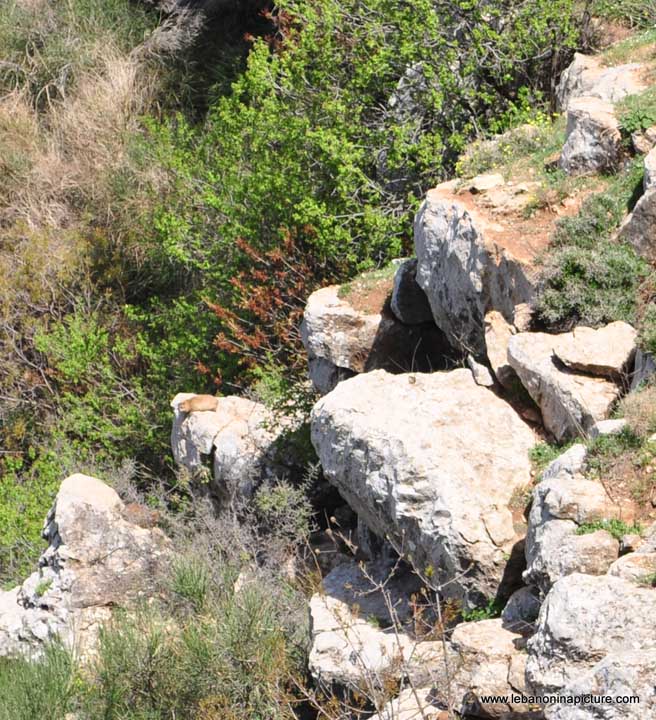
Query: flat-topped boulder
415,457
101,555
237,443
587,76
571,402
593,140
351,329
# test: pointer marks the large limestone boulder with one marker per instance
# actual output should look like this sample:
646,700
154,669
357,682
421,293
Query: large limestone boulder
593,139
562,502
352,330
358,636
415,457
240,438
98,558
587,624
587,77
571,403
639,228
463,271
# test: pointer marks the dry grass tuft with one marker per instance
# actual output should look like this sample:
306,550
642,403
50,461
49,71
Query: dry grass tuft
639,409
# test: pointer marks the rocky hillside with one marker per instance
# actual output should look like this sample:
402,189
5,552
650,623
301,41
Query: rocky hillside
490,551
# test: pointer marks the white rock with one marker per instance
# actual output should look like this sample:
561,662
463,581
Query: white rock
607,427
492,661
354,643
481,183
415,458
482,376
497,336
571,403
412,704
586,620
463,274
649,179
636,567
593,139
97,558
587,77
241,435
620,674
607,351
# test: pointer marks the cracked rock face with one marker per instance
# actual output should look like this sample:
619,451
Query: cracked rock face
240,438
415,458
593,139
97,558
595,634
463,274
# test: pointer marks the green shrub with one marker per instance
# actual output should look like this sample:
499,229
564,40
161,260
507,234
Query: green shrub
41,688
636,13
587,277
543,454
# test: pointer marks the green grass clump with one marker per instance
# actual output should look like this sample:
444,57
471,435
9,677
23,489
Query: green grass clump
492,609
543,454
617,528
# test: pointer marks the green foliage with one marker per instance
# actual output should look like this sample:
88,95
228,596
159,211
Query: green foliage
586,276
492,609
636,13
637,113
542,454
285,510
42,688
606,448
617,528
191,581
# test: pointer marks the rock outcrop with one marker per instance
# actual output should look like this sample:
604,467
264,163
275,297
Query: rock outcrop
463,272
562,502
413,455
587,77
638,229
587,630
606,352
343,337
240,439
571,402
97,559
593,138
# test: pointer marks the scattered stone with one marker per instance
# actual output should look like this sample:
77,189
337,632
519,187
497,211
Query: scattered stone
587,77
630,543
607,427
649,179
643,142
463,274
593,139
606,352
638,229
409,302
95,561
413,704
563,501
492,661
481,374
241,438
418,463
571,403
587,621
